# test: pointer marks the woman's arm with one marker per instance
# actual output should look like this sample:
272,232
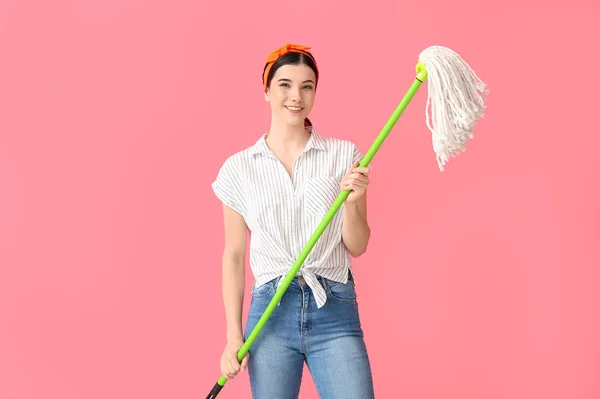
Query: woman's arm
233,282
355,228
233,271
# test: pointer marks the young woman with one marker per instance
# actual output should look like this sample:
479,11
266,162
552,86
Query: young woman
280,189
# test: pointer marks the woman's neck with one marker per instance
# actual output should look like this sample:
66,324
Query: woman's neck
283,137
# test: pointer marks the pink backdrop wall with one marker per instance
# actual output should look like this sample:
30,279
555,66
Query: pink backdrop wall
480,282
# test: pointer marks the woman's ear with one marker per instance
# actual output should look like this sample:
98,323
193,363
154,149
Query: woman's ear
267,96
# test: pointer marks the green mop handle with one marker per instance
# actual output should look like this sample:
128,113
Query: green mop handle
420,78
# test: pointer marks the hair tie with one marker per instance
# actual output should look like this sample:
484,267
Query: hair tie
275,55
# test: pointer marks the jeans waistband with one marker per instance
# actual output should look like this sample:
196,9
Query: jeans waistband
299,275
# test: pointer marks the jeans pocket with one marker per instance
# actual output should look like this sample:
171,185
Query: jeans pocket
340,291
264,289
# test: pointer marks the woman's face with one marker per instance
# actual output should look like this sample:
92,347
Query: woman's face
292,93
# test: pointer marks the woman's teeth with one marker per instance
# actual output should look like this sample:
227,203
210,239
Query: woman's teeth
294,108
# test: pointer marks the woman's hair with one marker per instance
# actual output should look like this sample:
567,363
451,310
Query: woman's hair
292,58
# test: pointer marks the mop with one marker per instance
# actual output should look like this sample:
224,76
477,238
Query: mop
455,103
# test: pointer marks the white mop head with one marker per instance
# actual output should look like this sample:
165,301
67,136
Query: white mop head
455,96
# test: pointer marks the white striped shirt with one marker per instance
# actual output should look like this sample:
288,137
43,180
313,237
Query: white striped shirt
282,212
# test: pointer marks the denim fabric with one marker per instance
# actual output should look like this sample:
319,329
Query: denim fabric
329,340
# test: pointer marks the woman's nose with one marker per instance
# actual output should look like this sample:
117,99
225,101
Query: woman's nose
296,95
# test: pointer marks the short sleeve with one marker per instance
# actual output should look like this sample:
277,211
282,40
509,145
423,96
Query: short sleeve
228,187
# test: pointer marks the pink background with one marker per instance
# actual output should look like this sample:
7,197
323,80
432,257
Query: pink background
480,282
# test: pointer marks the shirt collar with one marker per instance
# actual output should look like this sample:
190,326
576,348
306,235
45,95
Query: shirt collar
315,141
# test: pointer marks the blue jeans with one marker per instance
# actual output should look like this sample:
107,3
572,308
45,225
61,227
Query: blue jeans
329,340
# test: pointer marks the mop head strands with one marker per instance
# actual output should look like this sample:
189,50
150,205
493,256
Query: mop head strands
455,101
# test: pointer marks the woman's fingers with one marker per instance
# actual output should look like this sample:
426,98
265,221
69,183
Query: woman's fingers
244,364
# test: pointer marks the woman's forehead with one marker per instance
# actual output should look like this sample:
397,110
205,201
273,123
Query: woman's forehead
295,72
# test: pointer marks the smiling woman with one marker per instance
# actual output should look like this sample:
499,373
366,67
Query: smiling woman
298,66
317,319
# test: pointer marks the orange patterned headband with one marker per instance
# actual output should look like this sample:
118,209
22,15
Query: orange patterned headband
274,56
